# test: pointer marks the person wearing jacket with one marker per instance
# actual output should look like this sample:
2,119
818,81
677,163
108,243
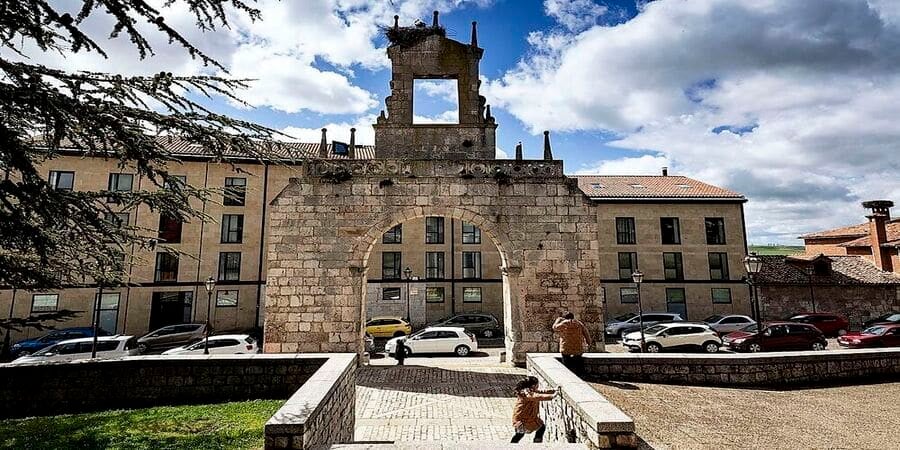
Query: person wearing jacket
525,413
573,339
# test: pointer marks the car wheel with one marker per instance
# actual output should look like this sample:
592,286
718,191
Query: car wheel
488,334
461,350
754,348
653,347
841,332
408,350
399,333
710,347
816,346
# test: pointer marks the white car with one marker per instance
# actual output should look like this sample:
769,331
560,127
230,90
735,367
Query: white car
224,344
675,335
725,324
436,340
81,348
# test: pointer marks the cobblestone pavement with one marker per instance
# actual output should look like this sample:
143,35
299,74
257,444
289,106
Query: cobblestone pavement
689,417
450,399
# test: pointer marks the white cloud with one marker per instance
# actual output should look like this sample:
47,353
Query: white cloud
641,165
365,134
575,15
500,154
451,116
792,103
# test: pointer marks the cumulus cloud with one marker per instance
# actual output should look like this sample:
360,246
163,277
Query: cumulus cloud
575,15
641,165
792,103
365,133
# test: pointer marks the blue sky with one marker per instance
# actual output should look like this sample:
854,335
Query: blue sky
792,103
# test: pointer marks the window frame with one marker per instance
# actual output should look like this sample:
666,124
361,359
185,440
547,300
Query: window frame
158,269
397,263
115,187
475,269
226,266
473,235
234,194
55,307
434,230
622,295
54,178
384,296
394,235
232,229
633,261
106,309
676,230
430,289
723,262
220,293
718,229
712,293
473,289
678,269
170,229
626,236
434,272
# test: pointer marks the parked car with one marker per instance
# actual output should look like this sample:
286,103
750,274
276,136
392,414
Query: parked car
29,346
225,344
828,323
667,336
388,327
171,336
436,340
627,323
728,323
81,348
777,336
891,317
882,335
485,325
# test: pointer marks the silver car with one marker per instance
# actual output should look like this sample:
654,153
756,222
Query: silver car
627,323
728,323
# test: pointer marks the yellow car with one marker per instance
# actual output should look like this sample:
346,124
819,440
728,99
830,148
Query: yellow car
388,327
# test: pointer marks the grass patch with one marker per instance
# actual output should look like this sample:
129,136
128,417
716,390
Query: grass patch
777,249
237,425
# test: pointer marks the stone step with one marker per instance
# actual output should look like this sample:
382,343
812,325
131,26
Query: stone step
457,445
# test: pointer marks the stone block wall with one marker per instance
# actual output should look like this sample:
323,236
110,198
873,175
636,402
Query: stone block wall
857,302
781,369
138,382
321,412
580,413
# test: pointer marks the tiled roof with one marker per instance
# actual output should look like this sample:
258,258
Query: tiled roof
656,186
893,236
856,231
846,270
283,150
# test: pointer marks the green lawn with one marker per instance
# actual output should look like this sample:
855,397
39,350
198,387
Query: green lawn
236,425
777,249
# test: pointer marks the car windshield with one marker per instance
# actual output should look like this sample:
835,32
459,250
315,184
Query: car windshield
752,328
47,351
713,319
624,317
892,318
655,329
877,331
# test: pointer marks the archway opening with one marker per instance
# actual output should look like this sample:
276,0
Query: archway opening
436,269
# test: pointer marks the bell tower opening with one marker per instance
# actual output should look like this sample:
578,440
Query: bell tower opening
435,101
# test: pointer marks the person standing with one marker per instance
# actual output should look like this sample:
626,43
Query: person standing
400,351
573,339
525,412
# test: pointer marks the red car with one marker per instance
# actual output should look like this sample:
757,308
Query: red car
828,323
884,335
777,336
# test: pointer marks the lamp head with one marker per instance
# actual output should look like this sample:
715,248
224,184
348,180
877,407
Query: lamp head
752,263
210,284
637,276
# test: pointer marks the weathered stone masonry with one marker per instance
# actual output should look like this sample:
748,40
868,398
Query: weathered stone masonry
323,227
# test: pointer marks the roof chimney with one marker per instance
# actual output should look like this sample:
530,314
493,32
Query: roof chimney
474,34
323,146
881,213
352,152
434,21
665,171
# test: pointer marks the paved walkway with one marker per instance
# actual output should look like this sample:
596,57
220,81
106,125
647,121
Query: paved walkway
436,399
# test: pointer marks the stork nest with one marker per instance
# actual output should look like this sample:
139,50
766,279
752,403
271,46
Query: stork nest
409,36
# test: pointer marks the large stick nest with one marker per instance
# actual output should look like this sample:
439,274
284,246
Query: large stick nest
409,36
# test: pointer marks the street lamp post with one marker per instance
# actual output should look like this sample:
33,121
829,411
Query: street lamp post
407,274
210,285
638,277
96,319
753,264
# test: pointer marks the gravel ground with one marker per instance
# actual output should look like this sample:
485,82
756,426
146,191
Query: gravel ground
689,417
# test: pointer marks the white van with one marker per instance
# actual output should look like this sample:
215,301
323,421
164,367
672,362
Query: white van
107,347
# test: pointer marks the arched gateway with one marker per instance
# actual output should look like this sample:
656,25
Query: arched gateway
324,224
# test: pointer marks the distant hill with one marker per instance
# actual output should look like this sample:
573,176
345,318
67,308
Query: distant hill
777,249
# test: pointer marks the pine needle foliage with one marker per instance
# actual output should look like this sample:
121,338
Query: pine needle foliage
55,238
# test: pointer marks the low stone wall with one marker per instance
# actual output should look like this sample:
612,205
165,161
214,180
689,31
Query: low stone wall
580,414
751,370
321,412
